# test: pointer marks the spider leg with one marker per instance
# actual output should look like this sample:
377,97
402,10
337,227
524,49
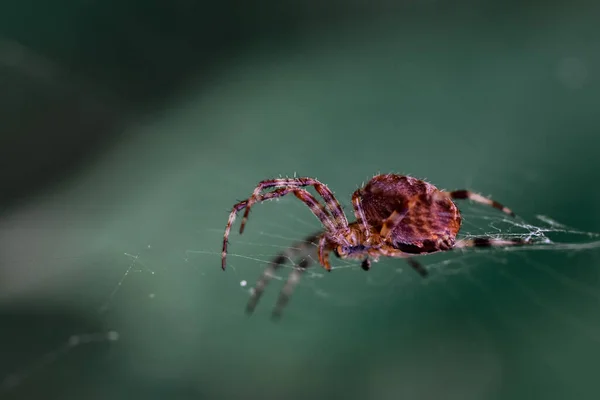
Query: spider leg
366,264
308,199
303,247
332,205
466,194
490,242
324,249
359,213
391,222
389,251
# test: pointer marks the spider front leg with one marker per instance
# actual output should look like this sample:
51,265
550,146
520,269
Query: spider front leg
332,205
307,198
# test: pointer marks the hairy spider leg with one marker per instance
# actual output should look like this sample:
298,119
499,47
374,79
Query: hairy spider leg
317,209
389,251
303,249
359,213
332,205
467,194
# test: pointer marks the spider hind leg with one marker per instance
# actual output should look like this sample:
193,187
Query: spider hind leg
490,242
467,194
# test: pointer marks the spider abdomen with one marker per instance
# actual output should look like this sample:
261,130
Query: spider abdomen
427,221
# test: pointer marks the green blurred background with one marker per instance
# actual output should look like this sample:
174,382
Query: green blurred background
130,128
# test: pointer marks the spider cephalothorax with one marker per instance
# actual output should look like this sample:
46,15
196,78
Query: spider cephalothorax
396,216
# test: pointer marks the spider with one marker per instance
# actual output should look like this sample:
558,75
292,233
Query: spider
396,216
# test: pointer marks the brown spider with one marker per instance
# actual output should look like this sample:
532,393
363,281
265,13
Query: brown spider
396,216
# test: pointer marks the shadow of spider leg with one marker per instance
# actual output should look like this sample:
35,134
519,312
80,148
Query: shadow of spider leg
304,249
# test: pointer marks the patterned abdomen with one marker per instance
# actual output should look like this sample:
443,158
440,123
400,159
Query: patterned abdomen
429,219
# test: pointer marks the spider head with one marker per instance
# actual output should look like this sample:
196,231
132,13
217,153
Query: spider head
353,245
